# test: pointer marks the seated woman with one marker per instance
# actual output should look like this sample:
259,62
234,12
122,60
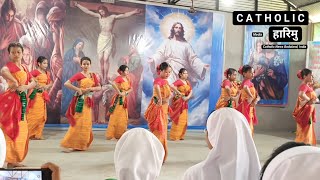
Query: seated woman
233,155
138,155
292,161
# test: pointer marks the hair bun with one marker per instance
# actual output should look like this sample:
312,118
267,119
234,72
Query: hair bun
240,70
226,73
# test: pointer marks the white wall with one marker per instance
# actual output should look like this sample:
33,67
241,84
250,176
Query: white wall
274,118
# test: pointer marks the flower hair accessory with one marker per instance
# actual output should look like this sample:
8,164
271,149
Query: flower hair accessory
240,70
225,73
158,69
299,75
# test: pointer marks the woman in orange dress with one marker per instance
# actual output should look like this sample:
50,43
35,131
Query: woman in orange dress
37,112
158,109
179,106
79,113
304,111
118,111
13,106
248,97
229,90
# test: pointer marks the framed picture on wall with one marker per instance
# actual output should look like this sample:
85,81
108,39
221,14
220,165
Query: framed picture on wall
271,78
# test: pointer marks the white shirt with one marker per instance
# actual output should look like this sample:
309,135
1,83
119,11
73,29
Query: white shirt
234,155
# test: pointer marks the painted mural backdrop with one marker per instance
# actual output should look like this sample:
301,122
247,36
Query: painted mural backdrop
38,26
313,63
137,35
271,67
183,40
111,35
313,59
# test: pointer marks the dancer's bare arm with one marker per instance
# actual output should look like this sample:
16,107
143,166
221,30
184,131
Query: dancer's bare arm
87,11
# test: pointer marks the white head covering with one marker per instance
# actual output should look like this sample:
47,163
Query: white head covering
298,163
2,149
234,155
138,155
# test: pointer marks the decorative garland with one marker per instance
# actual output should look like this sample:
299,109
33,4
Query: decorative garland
111,109
118,97
80,102
229,104
155,100
24,102
34,92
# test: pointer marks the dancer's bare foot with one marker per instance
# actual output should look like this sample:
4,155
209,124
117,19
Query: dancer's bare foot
111,138
14,165
67,150
35,138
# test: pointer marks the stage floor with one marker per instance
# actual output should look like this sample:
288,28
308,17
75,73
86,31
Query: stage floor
97,162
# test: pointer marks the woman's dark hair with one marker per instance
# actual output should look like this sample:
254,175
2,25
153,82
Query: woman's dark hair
279,150
163,66
181,71
244,69
85,59
122,68
41,59
14,45
304,72
229,71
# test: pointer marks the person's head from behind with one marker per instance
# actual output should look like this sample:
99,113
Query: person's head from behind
8,11
279,150
230,74
42,62
292,161
138,155
229,134
305,75
164,70
85,63
222,120
246,71
15,52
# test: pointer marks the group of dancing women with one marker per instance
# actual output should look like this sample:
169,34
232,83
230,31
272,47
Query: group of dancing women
23,104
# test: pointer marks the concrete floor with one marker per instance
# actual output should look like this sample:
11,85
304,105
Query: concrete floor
97,162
